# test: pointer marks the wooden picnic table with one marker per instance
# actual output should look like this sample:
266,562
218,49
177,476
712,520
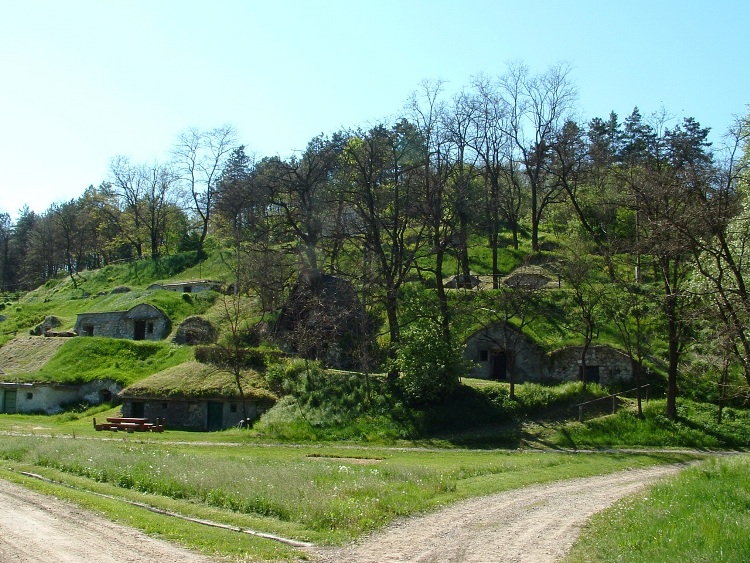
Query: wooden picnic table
130,424
119,420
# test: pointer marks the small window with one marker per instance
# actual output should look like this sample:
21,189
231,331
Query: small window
150,328
164,406
232,408
187,289
484,355
29,396
88,330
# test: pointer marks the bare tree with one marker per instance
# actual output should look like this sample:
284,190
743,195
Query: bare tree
146,194
381,192
508,312
538,107
199,158
127,186
502,174
446,181
579,270
302,194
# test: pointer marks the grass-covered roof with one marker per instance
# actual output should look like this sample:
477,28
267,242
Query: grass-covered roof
193,380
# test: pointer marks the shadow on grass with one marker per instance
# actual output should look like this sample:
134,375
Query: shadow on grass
475,420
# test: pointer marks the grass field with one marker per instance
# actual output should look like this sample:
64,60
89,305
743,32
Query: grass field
325,494
331,492
703,514
331,462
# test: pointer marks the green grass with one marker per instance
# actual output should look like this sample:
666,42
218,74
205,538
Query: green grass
323,493
193,379
63,298
334,405
81,360
703,514
695,427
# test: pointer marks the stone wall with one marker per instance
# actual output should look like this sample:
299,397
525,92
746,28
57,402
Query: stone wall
154,325
49,398
608,364
495,343
187,414
191,286
100,324
491,342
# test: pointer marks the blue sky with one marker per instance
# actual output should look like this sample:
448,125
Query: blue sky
83,81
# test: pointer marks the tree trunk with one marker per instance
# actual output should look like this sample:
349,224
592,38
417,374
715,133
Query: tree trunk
674,356
584,351
441,295
534,219
636,366
391,304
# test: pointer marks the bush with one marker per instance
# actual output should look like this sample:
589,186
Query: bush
246,358
195,330
292,377
430,366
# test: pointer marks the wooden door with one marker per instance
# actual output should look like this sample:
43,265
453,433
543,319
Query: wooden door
9,404
214,416
498,365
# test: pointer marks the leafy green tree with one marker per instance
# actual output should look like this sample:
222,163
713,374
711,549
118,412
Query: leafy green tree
6,234
629,308
21,269
430,366
719,234
663,173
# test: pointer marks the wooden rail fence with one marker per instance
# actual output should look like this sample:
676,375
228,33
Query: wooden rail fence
612,398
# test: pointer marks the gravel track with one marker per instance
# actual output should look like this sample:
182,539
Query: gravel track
40,528
536,524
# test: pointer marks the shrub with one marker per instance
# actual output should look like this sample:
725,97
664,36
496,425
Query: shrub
429,365
195,330
292,377
245,358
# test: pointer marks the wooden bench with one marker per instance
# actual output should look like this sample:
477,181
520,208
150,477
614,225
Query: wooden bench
130,425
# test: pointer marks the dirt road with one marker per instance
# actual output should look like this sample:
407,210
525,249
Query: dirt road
38,528
532,525
536,524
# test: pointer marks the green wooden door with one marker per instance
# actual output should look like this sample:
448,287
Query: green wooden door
214,416
9,403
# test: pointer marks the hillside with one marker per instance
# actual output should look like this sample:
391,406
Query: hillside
26,354
113,288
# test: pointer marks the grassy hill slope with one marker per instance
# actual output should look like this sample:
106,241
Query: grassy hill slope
26,354
79,360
